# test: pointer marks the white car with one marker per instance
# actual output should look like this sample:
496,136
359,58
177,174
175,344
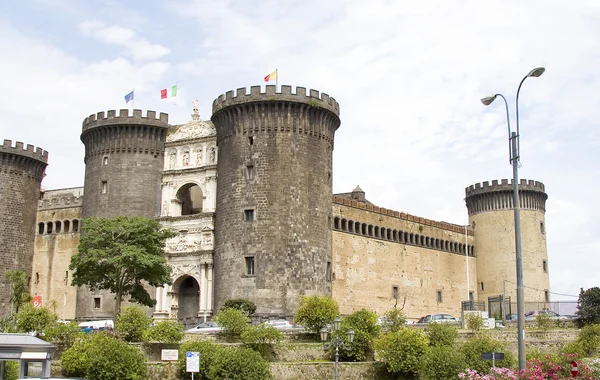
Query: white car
205,327
280,324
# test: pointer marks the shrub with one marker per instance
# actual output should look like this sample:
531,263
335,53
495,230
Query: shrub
63,333
589,339
168,332
12,370
574,347
366,329
233,321
441,334
402,351
34,319
588,306
543,321
262,339
475,346
102,357
218,362
393,320
316,312
246,306
442,362
132,323
474,321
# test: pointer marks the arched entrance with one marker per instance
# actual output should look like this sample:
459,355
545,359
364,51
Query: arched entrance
190,198
188,297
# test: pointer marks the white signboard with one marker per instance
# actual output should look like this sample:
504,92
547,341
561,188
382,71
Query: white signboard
169,355
192,362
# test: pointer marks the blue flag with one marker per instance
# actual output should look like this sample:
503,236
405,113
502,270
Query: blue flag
129,97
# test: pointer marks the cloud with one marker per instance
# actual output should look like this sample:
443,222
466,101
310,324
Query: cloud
136,47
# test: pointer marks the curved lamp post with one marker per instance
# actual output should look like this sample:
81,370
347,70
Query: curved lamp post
514,154
336,341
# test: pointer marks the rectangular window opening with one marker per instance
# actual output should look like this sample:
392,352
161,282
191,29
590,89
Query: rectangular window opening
105,161
104,187
328,273
395,292
470,296
249,215
97,302
251,140
545,266
249,265
546,296
481,285
249,171
439,296
542,228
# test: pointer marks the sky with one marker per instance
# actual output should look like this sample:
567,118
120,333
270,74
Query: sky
408,75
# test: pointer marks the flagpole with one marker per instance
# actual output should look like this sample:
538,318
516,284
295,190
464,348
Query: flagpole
133,101
276,80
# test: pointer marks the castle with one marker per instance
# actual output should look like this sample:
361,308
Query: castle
250,193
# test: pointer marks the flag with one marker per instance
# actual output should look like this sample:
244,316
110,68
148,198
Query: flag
129,97
164,93
272,76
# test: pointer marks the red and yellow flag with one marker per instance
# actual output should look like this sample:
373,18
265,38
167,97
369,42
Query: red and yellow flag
272,76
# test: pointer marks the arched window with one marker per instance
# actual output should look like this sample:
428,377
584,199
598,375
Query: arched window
364,228
190,199
377,231
57,227
49,227
350,226
336,223
41,228
67,226
75,225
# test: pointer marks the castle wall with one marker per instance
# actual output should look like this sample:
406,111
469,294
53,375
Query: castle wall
375,250
492,219
273,220
21,172
124,157
56,241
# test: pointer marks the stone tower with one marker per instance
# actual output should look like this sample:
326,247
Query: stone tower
124,157
274,196
491,216
21,173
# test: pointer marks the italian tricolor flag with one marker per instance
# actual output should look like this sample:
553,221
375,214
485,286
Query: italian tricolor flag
163,92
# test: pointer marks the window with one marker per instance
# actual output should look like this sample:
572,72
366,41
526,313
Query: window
395,292
542,228
37,278
470,296
97,302
251,140
481,285
328,273
105,161
249,265
75,225
249,215
545,266
249,171
104,187
546,296
439,296
41,228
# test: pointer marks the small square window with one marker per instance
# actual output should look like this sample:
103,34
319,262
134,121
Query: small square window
542,228
104,187
481,285
439,296
105,161
545,266
546,296
249,171
470,296
395,292
249,215
249,265
328,273
251,140
97,302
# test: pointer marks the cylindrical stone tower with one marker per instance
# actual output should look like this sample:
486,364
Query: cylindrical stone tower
124,159
21,173
491,216
274,194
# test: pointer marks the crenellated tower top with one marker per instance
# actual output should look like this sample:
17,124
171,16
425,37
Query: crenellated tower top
110,118
35,159
20,149
497,195
242,96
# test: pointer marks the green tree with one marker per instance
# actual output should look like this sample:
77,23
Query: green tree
103,357
479,344
393,320
234,322
119,255
63,333
402,351
19,288
34,319
442,363
441,334
316,312
366,330
588,306
133,322
262,338
241,304
168,332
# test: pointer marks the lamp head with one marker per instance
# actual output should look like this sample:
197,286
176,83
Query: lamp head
488,100
324,332
336,323
538,71
350,336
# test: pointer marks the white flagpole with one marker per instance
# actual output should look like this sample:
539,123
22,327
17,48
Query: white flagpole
276,80
132,101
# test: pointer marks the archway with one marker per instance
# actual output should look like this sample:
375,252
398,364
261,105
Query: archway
190,197
189,298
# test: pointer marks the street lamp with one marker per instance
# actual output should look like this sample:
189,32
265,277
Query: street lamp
336,341
514,154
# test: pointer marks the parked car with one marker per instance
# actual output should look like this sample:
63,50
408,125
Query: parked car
438,318
532,315
205,327
280,324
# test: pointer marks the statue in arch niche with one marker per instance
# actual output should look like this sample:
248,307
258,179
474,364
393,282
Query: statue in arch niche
172,159
186,158
199,156
212,154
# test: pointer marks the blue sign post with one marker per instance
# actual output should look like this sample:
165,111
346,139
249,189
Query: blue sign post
192,362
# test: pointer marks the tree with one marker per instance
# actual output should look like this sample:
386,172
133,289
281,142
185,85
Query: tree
133,322
588,305
366,329
119,255
316,312
234,321
34,319
19,292
244,305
